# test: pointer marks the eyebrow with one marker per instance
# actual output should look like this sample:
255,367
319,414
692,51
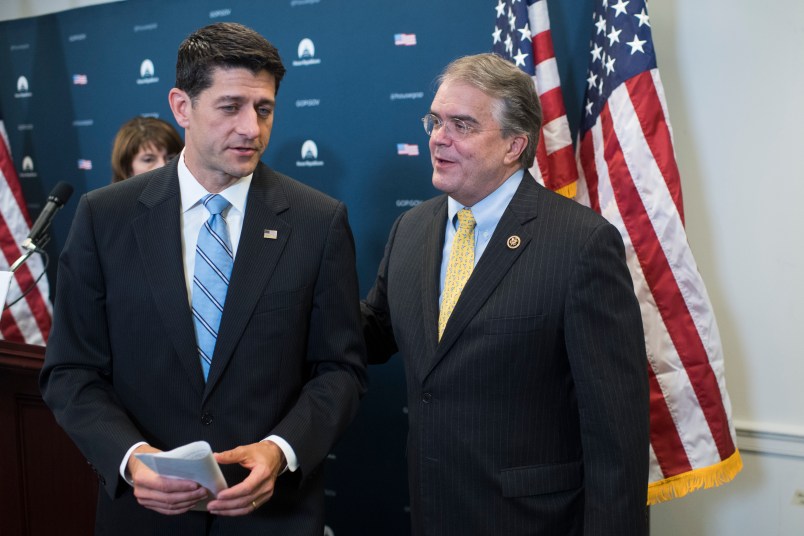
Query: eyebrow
465,118
239,99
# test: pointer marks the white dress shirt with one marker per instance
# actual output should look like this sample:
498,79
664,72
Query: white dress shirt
193,216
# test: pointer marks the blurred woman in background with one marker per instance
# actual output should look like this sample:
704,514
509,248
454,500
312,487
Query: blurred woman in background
142,144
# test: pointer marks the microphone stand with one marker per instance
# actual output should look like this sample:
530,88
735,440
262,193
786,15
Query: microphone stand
24,257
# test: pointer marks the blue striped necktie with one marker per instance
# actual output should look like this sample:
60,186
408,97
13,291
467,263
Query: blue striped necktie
213,266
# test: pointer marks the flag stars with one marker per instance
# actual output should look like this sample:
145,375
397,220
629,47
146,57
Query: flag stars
509,44
588,107
614,36
619,7
525,33
597,52
520,59
636,45
643,18
592,80
496,35
610,65
601,25
511,19
500,9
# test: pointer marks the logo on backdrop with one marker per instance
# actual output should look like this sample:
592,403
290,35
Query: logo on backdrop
413,95
80,80
84,164
309,154
147,72
22,89
306,54
28,171
294,3
306,103
77,37
146,27
216,14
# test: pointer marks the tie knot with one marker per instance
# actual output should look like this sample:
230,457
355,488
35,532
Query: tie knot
466,219
215,203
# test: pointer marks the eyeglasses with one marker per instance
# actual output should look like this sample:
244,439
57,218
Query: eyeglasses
457,129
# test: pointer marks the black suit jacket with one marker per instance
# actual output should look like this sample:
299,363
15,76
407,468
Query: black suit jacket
122,365
530,416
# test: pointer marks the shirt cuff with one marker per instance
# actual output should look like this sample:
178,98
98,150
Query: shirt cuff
124,466
287,450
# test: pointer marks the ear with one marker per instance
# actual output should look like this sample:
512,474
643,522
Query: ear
516,145
180,104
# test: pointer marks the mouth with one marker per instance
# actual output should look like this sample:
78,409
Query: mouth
442,162
245,151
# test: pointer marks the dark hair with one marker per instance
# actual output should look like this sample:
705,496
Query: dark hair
227,45
518,109
136,134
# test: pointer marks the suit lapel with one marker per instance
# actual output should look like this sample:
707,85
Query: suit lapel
158,233
495,263
256,259
431,274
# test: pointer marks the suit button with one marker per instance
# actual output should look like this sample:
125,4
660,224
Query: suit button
426,398
206,418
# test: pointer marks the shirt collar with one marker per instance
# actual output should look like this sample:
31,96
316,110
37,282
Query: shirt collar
487,211
192,191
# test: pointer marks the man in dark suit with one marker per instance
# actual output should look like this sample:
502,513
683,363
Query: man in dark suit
127,368
519,329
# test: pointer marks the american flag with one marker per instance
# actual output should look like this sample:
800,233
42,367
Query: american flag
628,173
407,149
84,164
404,40
522,34
80,79
29,319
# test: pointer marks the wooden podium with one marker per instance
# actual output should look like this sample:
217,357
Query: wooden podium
46,485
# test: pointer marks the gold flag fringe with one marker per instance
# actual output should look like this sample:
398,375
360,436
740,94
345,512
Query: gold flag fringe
706,477
569,190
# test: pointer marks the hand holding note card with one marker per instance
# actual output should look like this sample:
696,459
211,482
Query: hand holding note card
193,461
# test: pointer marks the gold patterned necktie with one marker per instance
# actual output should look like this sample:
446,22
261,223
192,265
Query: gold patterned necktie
461,263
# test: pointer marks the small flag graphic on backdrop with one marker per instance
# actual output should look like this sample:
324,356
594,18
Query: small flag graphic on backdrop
407,149
80,79
404,40
84,164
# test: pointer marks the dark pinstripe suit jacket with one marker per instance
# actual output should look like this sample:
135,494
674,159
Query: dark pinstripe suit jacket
530,416
122,365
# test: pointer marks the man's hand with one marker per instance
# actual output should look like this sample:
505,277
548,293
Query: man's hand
266,461
168,496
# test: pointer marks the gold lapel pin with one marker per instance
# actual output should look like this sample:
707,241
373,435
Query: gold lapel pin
269,233
513,242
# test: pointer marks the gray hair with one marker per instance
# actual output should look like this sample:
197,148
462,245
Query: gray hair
517,110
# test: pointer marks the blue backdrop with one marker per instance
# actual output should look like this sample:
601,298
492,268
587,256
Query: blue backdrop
351,96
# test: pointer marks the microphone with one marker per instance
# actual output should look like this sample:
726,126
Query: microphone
58,197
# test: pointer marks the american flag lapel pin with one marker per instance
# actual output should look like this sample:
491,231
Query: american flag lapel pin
269,233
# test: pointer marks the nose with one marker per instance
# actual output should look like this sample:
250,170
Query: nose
440,136
248,123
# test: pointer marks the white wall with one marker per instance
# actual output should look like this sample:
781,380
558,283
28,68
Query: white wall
733,71
17,9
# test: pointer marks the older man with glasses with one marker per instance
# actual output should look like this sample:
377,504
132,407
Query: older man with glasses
514,312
